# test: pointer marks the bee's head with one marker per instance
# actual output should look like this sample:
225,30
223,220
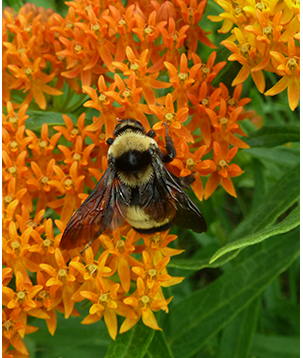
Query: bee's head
130,125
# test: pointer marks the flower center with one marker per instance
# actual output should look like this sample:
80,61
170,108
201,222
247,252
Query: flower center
77,157
21,296
92,269
204,102
268,33
224,123
62,275
16,247
121,246
292,65
182,77
190,164
13,145
148,30
155,241
231,102
43,295
126,94
68,183
12,170
75,132
245,51
152,273
134,67
28,71
8,199
222,163
169,117
77,48
102,98
42,144
44,180
121,22
144,301
46,243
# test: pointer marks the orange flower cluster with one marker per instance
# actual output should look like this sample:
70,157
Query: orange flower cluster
267,35
129,61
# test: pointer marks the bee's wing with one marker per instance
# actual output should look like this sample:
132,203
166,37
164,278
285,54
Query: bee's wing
101,210
166,188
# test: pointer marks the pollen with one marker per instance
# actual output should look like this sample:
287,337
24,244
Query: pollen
75,132
13,145
292,65
152,273
222,163
77,157
16,246
8,199
62,275
190,164
44,180
121,246
12,170
28,71
46,243
43,144
126,94
182,77
78,48
144,301
102,98
92,269
68,183
169,117
21,297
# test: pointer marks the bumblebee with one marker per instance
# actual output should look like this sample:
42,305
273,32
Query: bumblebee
136,187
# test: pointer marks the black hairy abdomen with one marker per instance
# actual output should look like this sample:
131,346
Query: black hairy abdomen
132,161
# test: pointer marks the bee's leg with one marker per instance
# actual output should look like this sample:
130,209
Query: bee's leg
110,141
87,246
170,149
186,181
151,134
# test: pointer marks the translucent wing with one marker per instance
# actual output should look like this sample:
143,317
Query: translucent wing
165,194
100,211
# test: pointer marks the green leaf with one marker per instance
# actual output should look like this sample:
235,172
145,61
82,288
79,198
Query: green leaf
159,347
38,118
291,222
276,346
203,314
72,339
133,343
274,135
280,197
238,334
196,264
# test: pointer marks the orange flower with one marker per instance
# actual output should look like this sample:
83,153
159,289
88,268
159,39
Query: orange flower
63,282
143,302
220,171
247,55
11,328
167,115
30,78
130,98
182,81
13,121
289,67
173,40
103,104
107,305
192,12
151,274
120,259
69,185
139,67
225,124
